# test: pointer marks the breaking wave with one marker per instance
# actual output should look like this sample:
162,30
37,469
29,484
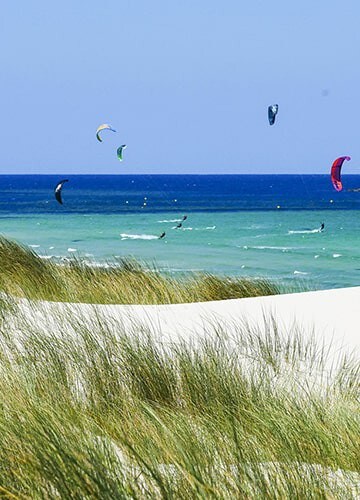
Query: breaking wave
305,231
125,236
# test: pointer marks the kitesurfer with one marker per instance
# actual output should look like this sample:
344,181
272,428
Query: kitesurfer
179,225
321,228
184,218
162,235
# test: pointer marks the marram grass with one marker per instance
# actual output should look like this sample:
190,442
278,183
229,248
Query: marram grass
108,413
24,274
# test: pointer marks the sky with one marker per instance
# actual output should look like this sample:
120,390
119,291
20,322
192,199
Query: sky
186,84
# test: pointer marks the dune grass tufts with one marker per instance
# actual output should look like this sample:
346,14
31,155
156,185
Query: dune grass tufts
106,412
24,274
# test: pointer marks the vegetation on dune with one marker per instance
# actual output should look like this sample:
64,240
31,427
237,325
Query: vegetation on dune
108,413
24,274
91,408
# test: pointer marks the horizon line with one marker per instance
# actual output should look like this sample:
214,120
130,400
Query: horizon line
170,173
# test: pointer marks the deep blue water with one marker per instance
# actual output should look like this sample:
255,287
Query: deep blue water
20,194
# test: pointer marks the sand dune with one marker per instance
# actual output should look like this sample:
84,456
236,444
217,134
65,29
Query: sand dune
332,316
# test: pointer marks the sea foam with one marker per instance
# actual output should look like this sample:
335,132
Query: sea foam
125,236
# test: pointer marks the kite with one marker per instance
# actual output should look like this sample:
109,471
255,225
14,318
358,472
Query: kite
104,126
272,112
120,152
58,189
336,172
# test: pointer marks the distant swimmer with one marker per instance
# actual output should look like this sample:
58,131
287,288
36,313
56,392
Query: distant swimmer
322,227
162,235
184,218
178,226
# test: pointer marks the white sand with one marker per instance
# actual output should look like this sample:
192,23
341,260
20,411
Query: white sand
332,316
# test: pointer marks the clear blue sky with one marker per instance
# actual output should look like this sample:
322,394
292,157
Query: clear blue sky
185,83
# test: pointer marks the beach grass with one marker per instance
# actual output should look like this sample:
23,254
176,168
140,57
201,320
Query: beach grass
24,274
108,412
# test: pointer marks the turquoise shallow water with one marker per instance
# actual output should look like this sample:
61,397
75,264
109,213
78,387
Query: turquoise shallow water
277,244
234,226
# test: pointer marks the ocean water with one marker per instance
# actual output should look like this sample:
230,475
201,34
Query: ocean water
243,225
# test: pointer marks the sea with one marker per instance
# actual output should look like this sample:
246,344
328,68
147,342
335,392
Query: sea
236,225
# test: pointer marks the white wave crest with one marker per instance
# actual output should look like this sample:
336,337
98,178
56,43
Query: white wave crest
267,247
125,236
305,231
